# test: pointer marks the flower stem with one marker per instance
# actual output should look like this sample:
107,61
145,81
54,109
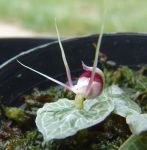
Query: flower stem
79,99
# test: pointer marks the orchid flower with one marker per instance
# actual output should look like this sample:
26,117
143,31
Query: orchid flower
90,83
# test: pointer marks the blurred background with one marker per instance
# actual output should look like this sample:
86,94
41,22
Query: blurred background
19,18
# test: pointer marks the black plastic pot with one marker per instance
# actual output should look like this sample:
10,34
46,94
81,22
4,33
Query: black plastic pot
15,80
9,47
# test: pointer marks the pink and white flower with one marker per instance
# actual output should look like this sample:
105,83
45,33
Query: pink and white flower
96,86
90,83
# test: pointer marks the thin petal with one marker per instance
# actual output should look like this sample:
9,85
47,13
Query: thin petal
95,59
64,58
44,75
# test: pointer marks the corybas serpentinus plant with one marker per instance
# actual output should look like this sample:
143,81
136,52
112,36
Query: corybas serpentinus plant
90,83
92,104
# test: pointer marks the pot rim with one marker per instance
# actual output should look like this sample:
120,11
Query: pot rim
65,40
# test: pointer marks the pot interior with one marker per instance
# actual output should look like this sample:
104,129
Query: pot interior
15,80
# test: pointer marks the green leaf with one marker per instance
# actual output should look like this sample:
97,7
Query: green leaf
135,142
61,119
123,105
137,123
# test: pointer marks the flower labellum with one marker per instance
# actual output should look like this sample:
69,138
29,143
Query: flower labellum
83,81
89,85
